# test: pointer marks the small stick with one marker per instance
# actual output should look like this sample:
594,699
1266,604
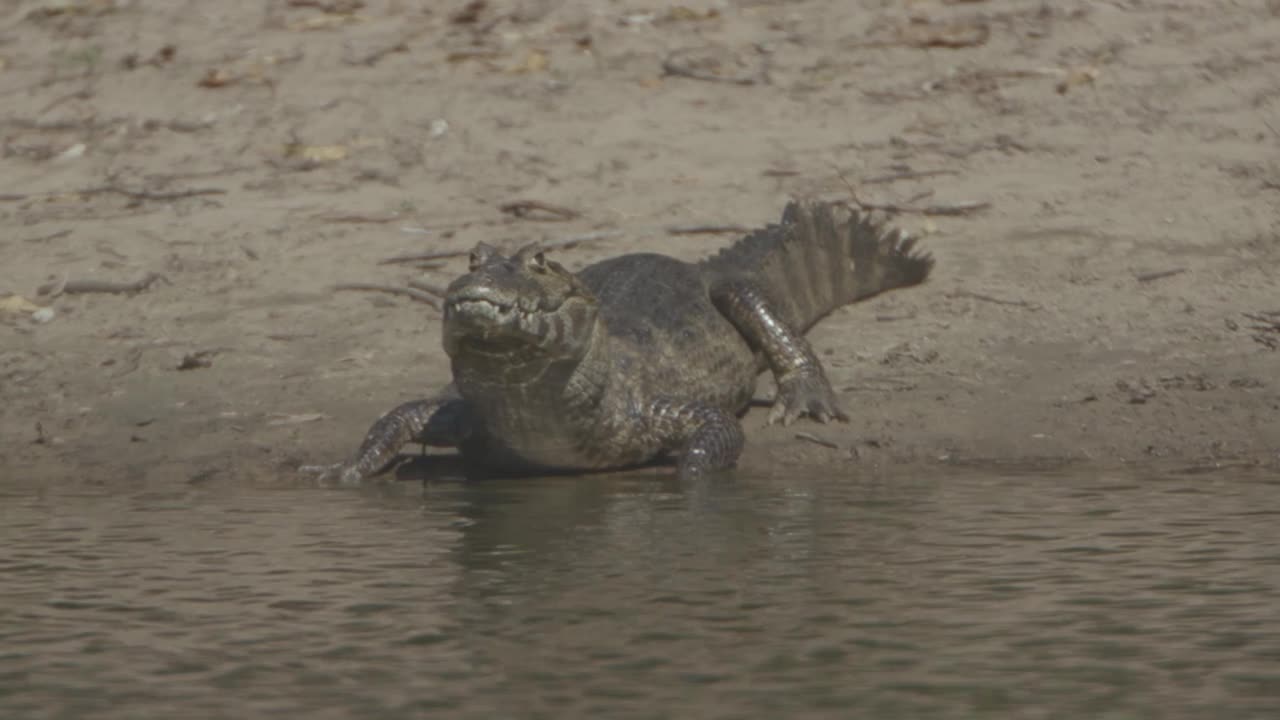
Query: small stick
563,244
988,298
418,295
961,208
816,440
423,257
705,229
357,218
80,287
908,175
373,57
144,195
1149,277
524,208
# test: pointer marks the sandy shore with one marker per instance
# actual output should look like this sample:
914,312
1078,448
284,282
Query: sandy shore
1099,182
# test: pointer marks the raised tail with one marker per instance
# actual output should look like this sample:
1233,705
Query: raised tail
819,257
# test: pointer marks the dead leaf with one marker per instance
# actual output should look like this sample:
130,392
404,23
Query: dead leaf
1078,76
682,13
217,77
17,305
536,61
316,153
324,22
961,34
458,56
469,13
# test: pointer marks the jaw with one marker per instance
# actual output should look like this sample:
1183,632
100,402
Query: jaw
497,329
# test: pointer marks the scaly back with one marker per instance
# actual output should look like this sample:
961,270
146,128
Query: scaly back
819,257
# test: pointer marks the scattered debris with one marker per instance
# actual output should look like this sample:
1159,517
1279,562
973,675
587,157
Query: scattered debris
907,175
528,209
197,360
278,419
990,299
707,65
470,13
563,244
952,35
706,229
1138,392
315,153
17,305
161,57
137,195
333,7
1077,76
810,437
43,315
64,286
535,61
956,208
357,218
256,72
1153,276
327,21
1267,328
419,295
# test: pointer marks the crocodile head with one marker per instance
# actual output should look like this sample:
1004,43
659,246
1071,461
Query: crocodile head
524,305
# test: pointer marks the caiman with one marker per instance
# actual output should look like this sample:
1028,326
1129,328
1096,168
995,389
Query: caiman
641,357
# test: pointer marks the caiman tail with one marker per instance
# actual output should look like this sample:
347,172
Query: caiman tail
820,257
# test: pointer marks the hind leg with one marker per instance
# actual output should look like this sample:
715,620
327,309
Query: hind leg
803,388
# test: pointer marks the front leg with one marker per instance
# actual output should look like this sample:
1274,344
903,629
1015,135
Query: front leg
803,388
440,421
707,438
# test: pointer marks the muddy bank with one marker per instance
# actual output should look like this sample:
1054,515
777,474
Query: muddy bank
1100,186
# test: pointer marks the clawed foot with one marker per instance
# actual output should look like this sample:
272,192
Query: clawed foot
805,394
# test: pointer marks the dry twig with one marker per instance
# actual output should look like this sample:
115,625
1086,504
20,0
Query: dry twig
80,287
810,437
563,244
958,208
705,229
1151,276
412,293
988,298
907,175
525,209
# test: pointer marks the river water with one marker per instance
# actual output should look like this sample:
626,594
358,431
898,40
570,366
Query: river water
907,595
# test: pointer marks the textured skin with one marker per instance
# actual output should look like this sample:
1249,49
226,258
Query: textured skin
641,356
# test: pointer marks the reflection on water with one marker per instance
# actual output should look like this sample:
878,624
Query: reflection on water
938,595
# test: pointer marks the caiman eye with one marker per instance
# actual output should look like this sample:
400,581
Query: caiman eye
538,262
